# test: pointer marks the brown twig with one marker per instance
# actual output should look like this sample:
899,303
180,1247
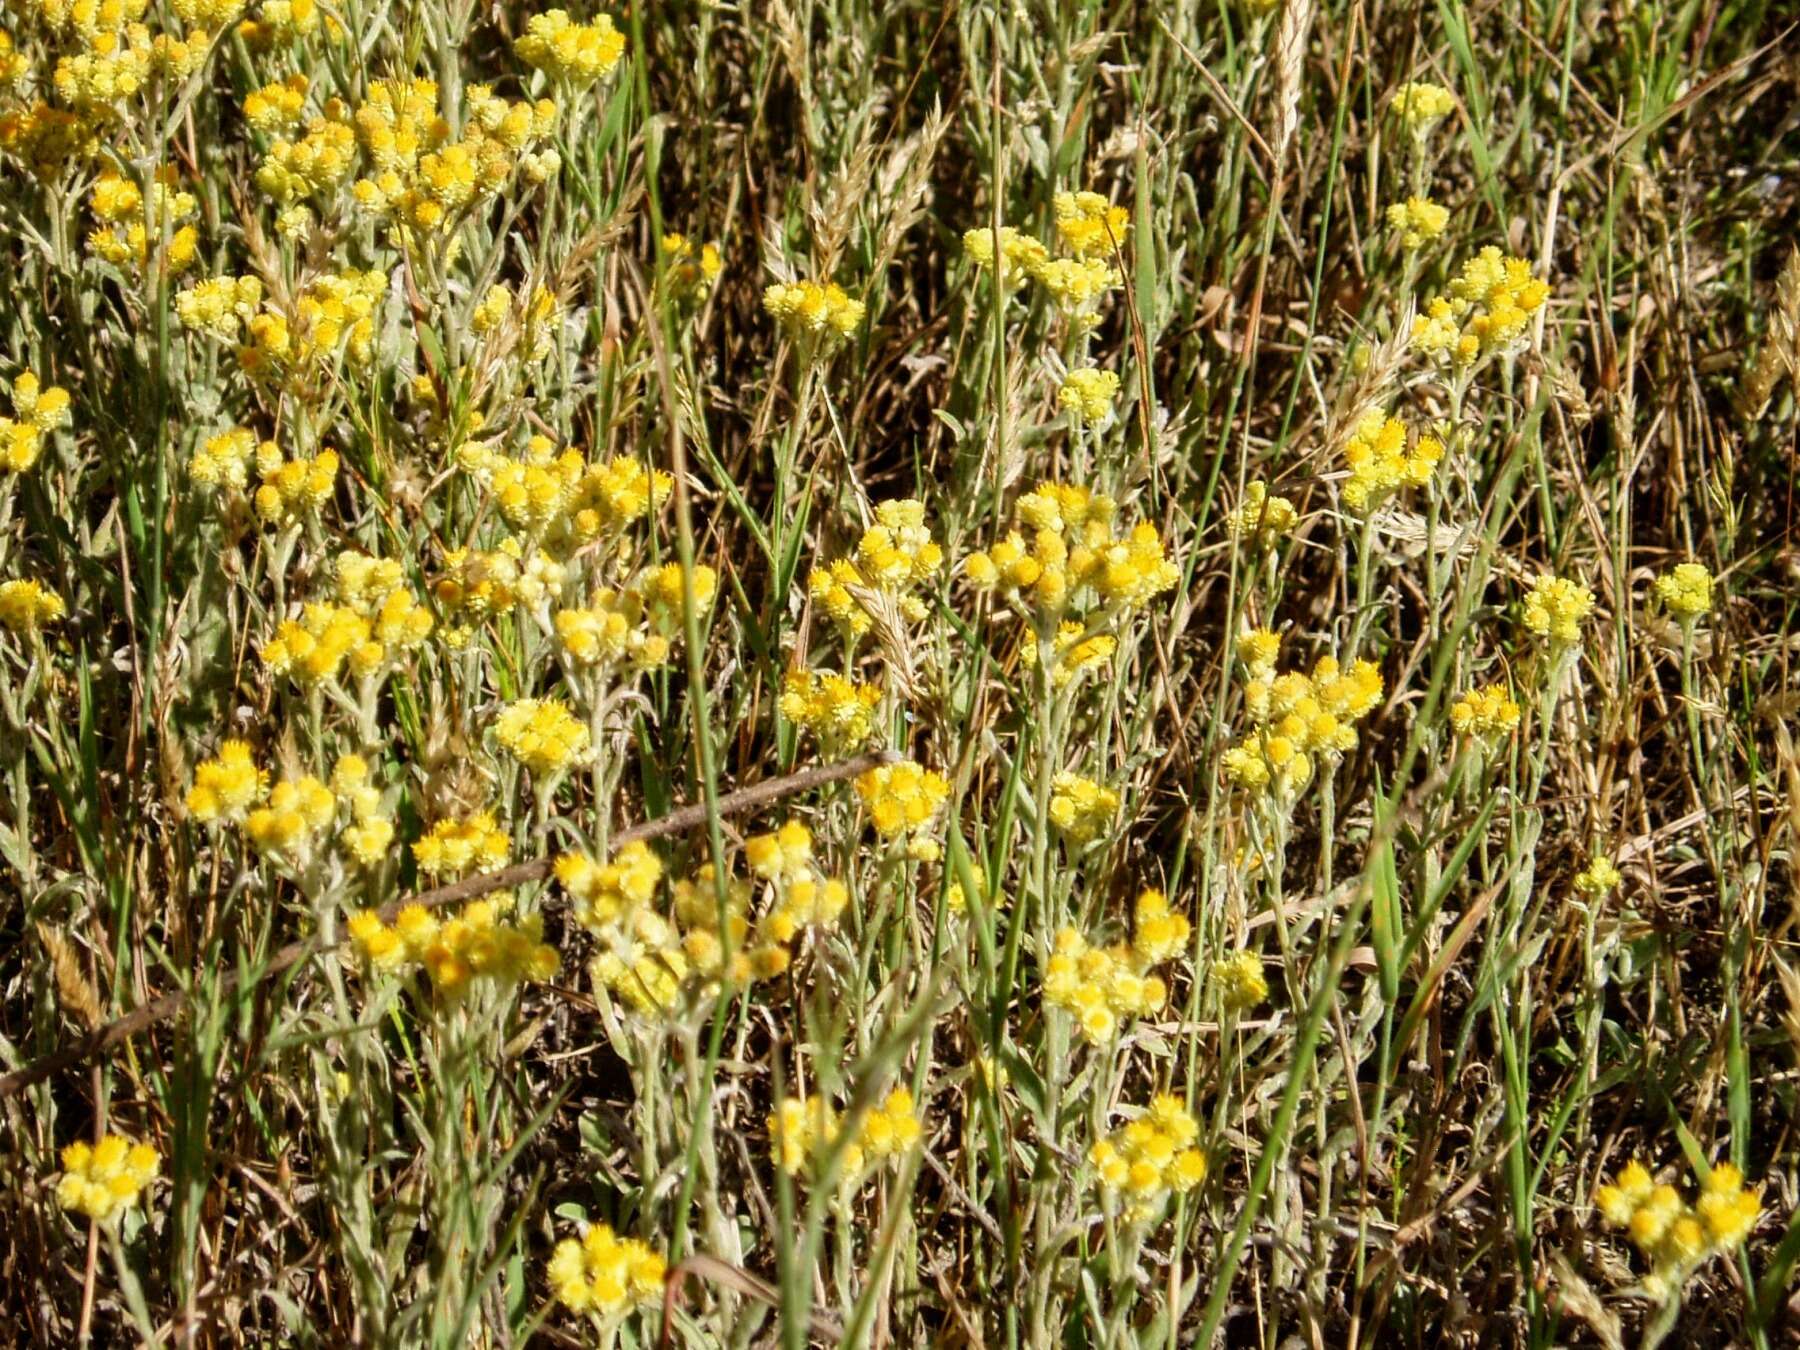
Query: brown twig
683,818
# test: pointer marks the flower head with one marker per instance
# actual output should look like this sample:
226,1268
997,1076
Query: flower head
1556,608
1686,591
103,1180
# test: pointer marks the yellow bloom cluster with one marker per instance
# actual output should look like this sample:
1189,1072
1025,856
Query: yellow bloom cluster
278,105
315,163
1488,713
480,943
377,620
1296,718
1417,220
634,626
1073,559
803,1129
1239,980
369,833
1081,808
1101,986
1089,225
1598,878
812,314
1088,394
894,558
542,734
291,488
26,606
478,584
297,810
903,801
1263,517
128,229
605,893
452,847
641,957
419,178
838,710
1380,463
1675,1235
103,1180
333,317
1151,1157
1421,105
37,411
1556,607
279,22
574,53
563,499
803,898
219,306
1486,311
1021,256
604,1273
1074,653
1686,591
226,787
691,272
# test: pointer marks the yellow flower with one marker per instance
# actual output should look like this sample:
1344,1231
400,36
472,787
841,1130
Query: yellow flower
26,606
1556,607
1417,220
1021,256
1089,225
1239,980
1487,714
103,1180
839,711
452,847
1147,1159
1263,518
227,787
1686,591
1421,105
1381,464
814,313
1088,394
1080,808
1598,878
542,734
604,1273
1677,1236
903,801
1485,312
577,53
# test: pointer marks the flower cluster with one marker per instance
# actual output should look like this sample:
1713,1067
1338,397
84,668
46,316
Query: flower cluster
1073,562
103,1180
894,558
1417,220
542,734
1381,464
480,943
1088,393
1487,714
574,53
1080,808
1678,1236
1102,986
1421,106
1238,978
1147,1159
1263,517
1089,227
818,316
1556,607
26,606
633,626
453,847
1485,312
839,711
605,1273
226,787
1685,591
1296,718
37,411
903,801
1598,878
803,1130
